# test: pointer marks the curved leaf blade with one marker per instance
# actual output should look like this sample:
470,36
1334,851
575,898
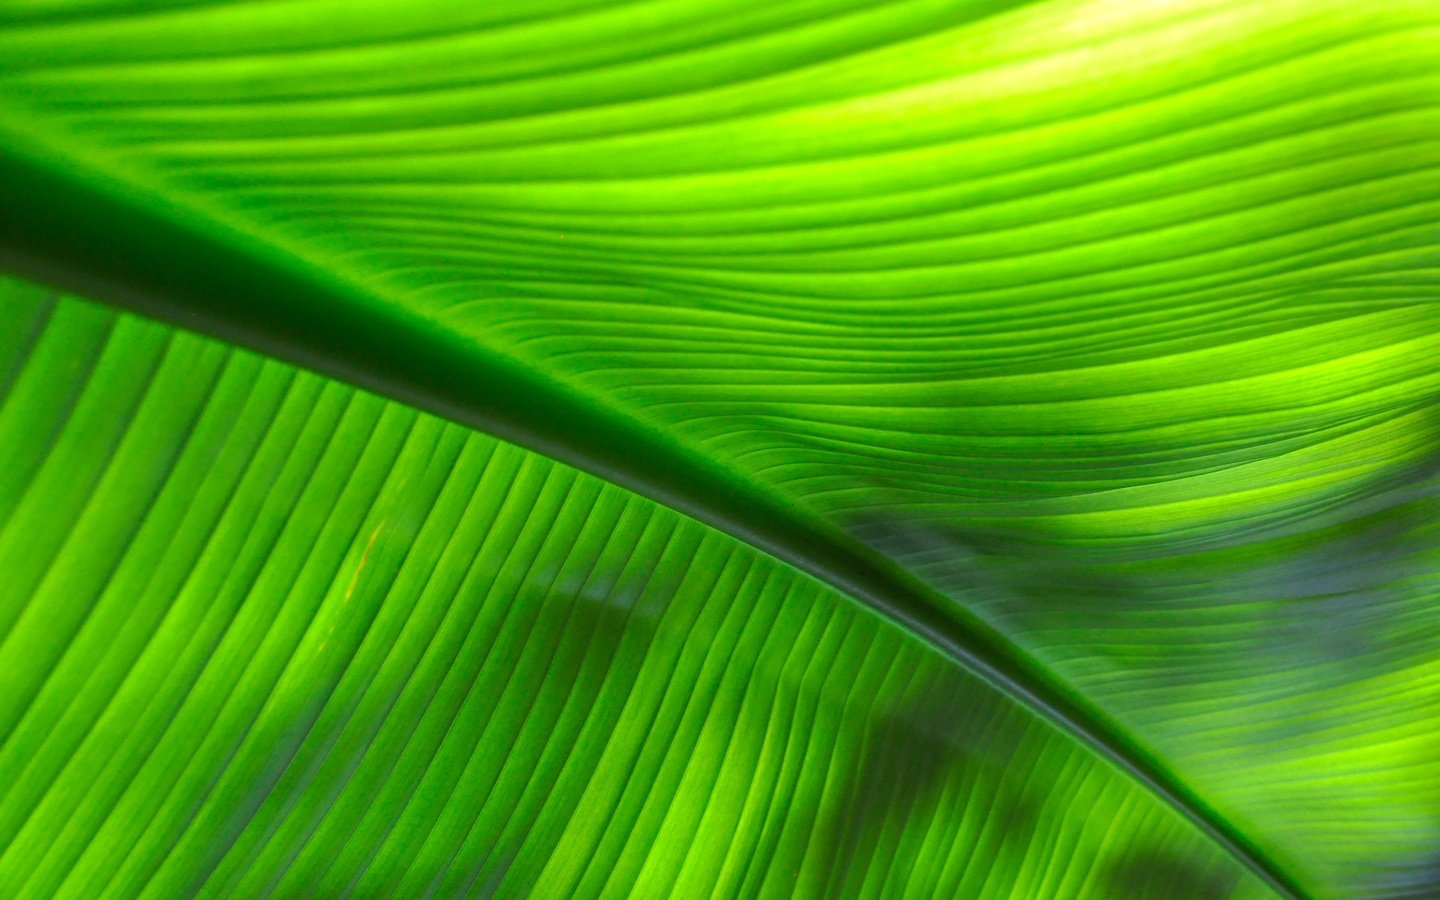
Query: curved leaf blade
193,266
910,295
272,634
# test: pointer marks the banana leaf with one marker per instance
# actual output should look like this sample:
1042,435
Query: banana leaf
719,447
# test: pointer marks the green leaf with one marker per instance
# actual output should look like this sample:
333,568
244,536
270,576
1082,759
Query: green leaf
1089,343
267,633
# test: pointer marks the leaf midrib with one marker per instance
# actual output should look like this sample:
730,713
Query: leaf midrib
80,226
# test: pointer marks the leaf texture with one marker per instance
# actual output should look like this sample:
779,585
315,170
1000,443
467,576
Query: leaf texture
1114,322
267,634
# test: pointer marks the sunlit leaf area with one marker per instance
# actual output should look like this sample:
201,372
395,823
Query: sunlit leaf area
720,448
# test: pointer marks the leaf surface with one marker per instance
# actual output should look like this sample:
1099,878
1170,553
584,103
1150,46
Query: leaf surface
1091,341
265,633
